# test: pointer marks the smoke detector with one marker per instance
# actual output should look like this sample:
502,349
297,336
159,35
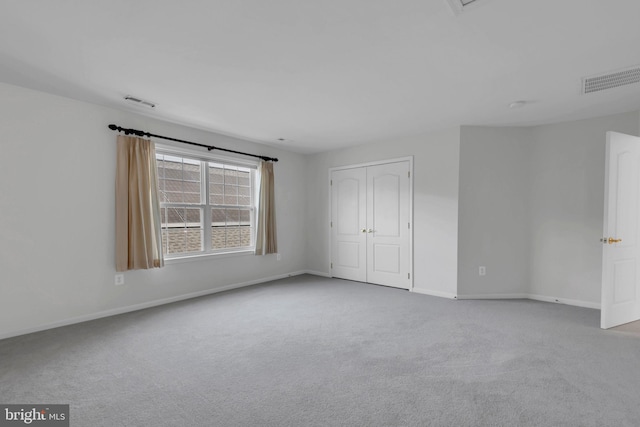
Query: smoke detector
611,80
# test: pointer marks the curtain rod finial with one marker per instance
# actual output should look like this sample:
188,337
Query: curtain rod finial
113,127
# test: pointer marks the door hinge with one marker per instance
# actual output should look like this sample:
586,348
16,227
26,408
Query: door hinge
332,265
408,275
408,174
331,224
408,225
331,183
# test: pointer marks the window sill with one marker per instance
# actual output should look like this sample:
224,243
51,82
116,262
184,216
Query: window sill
210,256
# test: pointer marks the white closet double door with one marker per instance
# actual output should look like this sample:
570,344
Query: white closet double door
371,224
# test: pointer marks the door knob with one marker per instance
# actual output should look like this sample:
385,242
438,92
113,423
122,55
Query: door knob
370,231
364,230
610,240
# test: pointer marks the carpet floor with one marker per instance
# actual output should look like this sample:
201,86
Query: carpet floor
312,351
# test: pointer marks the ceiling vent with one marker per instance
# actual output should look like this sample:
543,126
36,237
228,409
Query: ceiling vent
458,6
611,80
141,102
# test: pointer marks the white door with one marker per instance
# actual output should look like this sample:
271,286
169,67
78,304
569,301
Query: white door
370,224
388,225
348,222
621,251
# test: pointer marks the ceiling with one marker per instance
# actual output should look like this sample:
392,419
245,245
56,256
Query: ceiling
326,74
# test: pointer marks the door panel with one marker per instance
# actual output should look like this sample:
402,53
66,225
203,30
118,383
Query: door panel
349,255
348,213
386,258
620,285
348,204
626,198
385,202
388,219
624,272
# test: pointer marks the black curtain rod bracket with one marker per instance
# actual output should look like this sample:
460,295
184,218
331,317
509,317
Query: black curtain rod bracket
208,147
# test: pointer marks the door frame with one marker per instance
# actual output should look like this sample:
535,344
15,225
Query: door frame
375,163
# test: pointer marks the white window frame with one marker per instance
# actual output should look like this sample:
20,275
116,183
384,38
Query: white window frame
205,204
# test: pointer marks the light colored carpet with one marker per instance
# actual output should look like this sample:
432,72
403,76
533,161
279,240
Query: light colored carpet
310,351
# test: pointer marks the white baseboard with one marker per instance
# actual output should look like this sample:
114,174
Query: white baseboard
142,306
494,296
317,273
574,302
434,293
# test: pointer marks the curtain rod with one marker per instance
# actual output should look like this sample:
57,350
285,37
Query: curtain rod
208,147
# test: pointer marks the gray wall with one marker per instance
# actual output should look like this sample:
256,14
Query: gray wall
494,211
531,209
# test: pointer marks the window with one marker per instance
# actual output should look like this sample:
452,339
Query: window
207,205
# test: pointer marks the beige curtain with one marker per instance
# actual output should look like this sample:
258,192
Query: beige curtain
138,234
266,242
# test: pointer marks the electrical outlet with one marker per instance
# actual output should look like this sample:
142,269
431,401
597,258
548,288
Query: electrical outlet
482,270
119,279
279,257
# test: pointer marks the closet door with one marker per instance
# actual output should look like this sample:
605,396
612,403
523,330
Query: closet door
349,219
370,224
388,225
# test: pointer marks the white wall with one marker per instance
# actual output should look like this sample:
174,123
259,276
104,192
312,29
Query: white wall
493,211
435,204
57,173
